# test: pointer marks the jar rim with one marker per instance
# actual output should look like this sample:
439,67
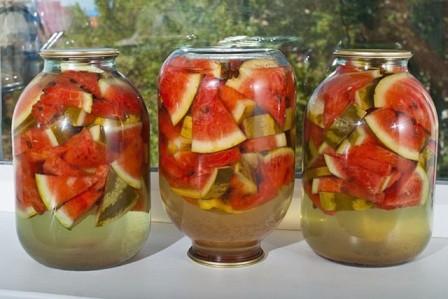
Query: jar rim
227,50
373,53
79,53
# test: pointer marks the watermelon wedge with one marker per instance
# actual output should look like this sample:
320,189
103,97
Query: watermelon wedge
264,81
55,165
130,159
177,91
337,92
265,143
412,189
28,199
34,139
87,80
56,190
238,104
402,92
118,198
118,99
173,134
201,66
30,96
82,151
326,184
218,159
58,96
398,132
76,207
214,128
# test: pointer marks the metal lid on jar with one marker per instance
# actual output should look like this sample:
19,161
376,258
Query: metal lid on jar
81,53
373,53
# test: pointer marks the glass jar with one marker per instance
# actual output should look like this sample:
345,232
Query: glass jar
226,148
81,148
370,146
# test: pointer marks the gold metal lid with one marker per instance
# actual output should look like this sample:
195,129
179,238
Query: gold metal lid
373,53
80,53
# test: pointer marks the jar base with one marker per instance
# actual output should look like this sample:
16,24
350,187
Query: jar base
226,258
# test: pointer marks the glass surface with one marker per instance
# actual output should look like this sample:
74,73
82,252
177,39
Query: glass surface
370,151
306,31
227,139
81,160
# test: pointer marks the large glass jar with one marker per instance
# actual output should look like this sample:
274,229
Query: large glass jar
226,145
81,136
370,146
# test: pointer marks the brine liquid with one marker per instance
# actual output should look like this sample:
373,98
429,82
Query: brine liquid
372,237
85,246
226,233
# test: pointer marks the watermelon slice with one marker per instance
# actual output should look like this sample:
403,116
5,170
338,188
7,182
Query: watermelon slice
55,165
87,80
412,189
398,132
28,199
264,143
34,139
118,198
238,104
177,91
119,99
218,159
213,126
260,125
264,81
242,181
173,134
326,184
56,97
202,66
30,96
56,190
82,151
402,92
130,159
209,185
76,207
337,92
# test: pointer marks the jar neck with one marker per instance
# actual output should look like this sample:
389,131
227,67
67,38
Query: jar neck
57,65
363,64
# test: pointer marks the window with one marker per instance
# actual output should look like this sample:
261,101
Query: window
145,32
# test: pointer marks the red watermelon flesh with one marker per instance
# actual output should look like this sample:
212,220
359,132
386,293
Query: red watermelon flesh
76,207
169,166
338,92
34,139
26,189
166,128
56,97
203,66
118,97
30,96
237,103
412,189
101,173
87,80
327,184
218,159
402,92
56,190
83,151
214,128
267,87
177,90
55,165
397,131
264,143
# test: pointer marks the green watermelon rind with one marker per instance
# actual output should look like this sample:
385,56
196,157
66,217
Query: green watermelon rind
45,191
389,142
22,116
125,176
27,212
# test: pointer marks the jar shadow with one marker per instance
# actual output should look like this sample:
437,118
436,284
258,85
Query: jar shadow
162,236
281,238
